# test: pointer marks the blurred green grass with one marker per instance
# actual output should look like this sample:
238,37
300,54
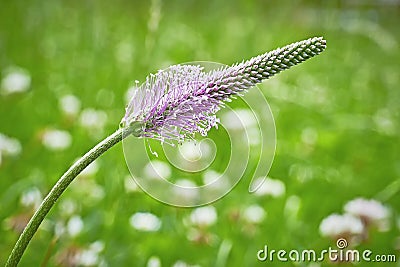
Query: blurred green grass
95,50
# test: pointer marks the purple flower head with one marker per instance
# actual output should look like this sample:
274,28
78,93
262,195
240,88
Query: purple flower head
178,102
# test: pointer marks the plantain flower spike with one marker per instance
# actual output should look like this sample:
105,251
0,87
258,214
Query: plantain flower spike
178,102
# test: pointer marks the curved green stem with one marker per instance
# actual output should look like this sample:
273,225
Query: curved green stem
57,190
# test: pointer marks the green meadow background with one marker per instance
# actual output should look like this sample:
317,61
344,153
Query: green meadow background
337,122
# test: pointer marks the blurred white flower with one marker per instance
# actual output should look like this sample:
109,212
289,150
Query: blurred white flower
185,183
59,229
154,262
369,210
157,169
90,256
56,139
87,258
204,216
309,136
384,121
15,80
145,221
190,151
31,197
186,189
97,246
92,119
70,105
210,176
181,263
271,187
194,234
254,136
216,179
89,189
68,206
9,146
97,192
130,184
239,119
75,225
254,214
336,225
